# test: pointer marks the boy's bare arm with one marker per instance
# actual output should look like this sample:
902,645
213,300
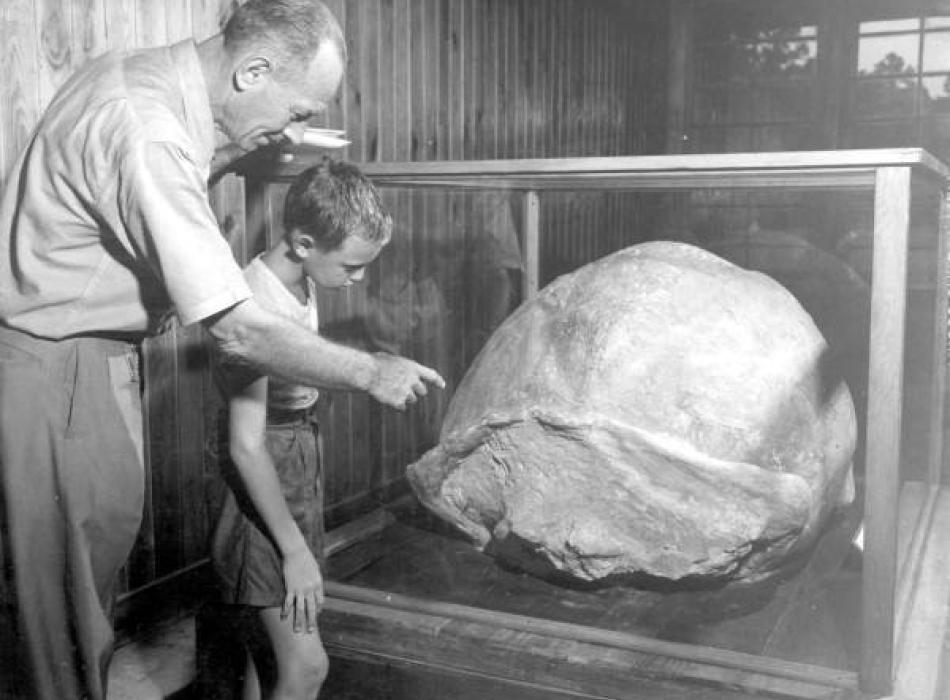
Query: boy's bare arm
248,449
250,334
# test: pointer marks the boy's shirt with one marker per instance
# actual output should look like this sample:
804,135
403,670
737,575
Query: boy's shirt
274,296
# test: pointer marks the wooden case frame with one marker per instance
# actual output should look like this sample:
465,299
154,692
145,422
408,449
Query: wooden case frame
902,566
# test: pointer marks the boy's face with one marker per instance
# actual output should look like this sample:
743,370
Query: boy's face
342,266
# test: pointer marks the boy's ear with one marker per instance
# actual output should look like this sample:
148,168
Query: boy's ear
303,244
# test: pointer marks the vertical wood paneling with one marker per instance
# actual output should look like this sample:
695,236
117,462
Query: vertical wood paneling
336,114
489,80
353,83
120,24
369,74
88,38
470,66
18,89
386,117
178,22
151,24
209,16
54,62
418,113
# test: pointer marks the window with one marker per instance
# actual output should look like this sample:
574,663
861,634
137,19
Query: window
900,92
755,77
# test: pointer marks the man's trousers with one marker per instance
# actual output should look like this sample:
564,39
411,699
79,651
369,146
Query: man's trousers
71,495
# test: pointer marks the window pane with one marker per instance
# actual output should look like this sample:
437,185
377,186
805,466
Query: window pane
723,105
741,22
891,55
938,22
936,94
890,25
787,101
937,51
737,61
937,138
884,134
885,98
790,137
713,64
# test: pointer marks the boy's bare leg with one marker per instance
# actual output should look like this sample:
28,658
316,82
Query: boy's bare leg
298,659
252,684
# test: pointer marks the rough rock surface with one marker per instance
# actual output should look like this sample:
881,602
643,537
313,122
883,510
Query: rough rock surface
660,413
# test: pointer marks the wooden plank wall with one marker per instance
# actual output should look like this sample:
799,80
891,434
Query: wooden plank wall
427,79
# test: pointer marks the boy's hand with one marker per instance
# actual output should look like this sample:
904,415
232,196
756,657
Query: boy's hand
399,381
304,585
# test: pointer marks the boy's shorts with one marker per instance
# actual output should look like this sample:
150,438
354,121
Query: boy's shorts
247,563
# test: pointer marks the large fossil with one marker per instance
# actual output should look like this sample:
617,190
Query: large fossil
660,413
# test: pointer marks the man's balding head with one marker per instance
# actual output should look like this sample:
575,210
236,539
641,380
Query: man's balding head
289,32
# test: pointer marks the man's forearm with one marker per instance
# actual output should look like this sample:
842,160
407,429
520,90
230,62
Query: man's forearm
281,348
277,347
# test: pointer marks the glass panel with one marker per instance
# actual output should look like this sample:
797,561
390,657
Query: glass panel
787,101
923,275
885,98
742,22
925,339
937,22
709,140
453,273
888,55
792,137
883,134
937,138
937,51
724,104
890,25
767,60
936,94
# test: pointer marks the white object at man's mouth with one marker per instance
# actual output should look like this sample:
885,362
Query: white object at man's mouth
323,138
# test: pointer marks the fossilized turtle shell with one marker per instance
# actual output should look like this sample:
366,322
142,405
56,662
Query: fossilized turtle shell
659,412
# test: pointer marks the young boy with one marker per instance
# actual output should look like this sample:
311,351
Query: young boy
267,545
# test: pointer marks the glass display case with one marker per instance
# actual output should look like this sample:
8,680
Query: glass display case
858,237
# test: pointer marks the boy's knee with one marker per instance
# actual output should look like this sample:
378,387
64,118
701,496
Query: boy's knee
310,670
320,665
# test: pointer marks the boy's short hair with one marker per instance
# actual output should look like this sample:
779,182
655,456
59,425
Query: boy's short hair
333,200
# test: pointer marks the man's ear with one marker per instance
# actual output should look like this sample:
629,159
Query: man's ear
251,72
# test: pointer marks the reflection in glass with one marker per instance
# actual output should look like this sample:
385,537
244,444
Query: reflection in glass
937,138
937,21
889,55
937,51
786,101
890,25
893,133
885,97
936,93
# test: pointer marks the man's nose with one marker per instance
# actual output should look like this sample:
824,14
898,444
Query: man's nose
293,132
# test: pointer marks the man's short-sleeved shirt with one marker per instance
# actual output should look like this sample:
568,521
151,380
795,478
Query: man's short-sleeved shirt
105,219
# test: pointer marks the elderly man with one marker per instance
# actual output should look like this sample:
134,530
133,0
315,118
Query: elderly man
104,224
